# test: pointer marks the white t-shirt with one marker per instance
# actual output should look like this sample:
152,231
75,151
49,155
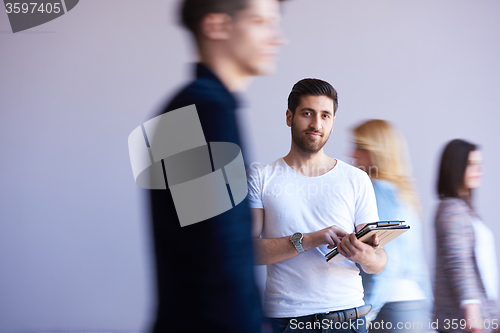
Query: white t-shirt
307,283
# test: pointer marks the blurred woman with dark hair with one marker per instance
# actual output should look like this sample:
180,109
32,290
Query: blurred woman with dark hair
401,293
466,272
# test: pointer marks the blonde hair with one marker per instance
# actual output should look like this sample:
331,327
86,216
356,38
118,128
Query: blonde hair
389,156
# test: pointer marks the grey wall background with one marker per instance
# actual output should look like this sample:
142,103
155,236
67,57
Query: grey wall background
75,252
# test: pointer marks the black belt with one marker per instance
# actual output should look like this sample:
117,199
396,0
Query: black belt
339,316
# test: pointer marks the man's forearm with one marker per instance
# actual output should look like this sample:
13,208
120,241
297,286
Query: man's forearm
272,250
377,264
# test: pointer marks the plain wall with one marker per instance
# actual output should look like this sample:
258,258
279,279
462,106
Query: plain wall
75,246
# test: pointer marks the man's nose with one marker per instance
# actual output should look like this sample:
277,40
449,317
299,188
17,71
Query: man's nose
315,123
280,38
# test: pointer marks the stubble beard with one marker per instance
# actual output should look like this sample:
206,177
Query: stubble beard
306,145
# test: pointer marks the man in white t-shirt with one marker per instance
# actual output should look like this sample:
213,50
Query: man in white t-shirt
304,204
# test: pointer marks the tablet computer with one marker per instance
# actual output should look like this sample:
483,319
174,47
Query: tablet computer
386,231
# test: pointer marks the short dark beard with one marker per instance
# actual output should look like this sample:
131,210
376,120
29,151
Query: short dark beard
302,145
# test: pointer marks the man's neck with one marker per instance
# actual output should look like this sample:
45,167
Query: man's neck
310,164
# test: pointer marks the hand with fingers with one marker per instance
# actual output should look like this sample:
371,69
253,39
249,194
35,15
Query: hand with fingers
472,313
371,257
331,236
357,251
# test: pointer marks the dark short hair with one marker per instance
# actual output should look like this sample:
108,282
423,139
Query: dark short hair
311,87
193,11
452,168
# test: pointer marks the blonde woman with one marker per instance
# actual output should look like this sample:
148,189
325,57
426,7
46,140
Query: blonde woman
401,294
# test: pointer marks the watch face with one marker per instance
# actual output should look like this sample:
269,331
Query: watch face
296,237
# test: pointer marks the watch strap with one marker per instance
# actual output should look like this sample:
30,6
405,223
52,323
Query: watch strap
299,247
297,242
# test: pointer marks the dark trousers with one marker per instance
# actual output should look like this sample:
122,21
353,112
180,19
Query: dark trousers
310,324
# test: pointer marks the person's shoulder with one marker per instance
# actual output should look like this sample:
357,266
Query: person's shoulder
258,175
350,170
384,186
387,195
452,207
452,202
261,170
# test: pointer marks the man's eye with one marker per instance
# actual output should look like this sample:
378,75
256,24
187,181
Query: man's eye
259,20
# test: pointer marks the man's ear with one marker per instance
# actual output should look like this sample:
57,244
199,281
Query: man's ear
289,116
333,123
216,26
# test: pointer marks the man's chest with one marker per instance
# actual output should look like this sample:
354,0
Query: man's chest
307,206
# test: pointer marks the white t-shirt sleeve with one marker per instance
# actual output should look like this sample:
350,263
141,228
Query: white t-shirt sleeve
254,189
366,204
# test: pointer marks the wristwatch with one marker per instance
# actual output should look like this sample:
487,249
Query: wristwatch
296,240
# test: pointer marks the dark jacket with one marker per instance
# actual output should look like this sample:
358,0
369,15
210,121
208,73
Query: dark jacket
205,273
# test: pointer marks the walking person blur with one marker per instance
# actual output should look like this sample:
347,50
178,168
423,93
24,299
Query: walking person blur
205,278
466,289
401,293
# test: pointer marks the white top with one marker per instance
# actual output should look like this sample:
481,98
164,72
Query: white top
486,258
307,283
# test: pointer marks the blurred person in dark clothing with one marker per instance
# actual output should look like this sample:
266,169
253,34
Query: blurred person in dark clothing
402,291
205,276
466,289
